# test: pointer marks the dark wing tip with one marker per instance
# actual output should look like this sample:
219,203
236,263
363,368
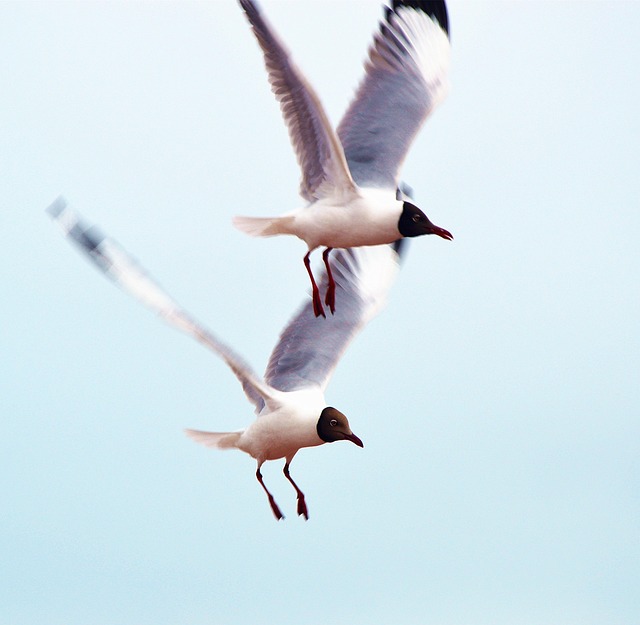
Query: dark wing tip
437,9
252,12
400,247
80,232
89,238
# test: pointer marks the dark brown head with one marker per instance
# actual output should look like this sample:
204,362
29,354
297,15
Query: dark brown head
414,223
334,426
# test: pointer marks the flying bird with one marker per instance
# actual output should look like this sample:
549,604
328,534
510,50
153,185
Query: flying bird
289,401
349,177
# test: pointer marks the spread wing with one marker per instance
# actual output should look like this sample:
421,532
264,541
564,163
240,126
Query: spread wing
120,267
406,77
309,349
319,153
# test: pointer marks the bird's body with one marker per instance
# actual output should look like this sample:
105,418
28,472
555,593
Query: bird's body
286,424
350,176
329,223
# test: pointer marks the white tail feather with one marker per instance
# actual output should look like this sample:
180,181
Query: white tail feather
263,226
217,440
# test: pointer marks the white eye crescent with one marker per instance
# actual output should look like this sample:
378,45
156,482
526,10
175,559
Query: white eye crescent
333,422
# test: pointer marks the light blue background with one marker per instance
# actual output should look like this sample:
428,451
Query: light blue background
497,394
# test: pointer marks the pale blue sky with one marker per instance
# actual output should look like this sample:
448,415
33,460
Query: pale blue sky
497,394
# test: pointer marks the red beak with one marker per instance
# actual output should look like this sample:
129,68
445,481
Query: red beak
441,232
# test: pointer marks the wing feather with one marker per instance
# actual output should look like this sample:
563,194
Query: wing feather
316,145
309,349
406,77
122,269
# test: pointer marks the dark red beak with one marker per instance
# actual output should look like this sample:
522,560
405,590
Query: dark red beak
354,439
441,232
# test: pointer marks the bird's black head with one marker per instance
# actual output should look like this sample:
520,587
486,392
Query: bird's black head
334,426
414,223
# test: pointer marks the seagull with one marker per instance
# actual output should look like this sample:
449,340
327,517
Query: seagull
289,402
350,177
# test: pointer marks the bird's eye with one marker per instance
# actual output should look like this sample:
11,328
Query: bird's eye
333,422
416,218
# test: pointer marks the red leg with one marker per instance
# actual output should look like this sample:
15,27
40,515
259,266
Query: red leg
330,298
317,304
272,501
302,506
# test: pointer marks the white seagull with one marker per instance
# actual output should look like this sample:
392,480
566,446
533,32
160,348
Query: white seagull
291,409
350,177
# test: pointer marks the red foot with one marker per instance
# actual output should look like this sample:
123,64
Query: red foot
318,310
317,303
330,297
274,507
302,508
272,501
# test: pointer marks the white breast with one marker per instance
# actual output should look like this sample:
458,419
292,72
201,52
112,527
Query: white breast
370,219
284,426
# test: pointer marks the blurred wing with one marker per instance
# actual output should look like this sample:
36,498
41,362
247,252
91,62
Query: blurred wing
406,77
309,348
319,153
120,267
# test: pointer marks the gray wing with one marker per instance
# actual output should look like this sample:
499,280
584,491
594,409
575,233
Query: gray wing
120,267
406,77
318,151
309,348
